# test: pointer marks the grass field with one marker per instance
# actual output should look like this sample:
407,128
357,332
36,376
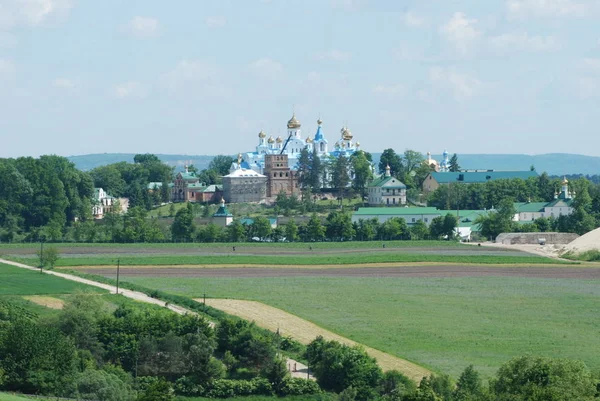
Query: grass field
443,324
6,248
294,260
18,281
12,397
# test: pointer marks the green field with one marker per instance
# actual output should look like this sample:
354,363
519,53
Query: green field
18,281
12,397
444,324
6,248
281,260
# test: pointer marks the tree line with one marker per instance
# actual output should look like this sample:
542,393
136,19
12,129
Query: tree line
145,353
139,352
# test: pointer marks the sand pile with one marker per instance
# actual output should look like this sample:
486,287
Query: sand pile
586,242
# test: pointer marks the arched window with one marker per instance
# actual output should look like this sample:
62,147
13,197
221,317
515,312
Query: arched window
322,147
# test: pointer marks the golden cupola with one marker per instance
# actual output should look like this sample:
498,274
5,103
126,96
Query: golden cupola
262,134
271,139
309,140
279,139
293,123
346,134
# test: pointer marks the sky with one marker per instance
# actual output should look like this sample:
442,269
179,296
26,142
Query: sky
204,77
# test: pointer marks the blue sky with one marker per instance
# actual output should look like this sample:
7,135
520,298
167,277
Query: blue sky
204,77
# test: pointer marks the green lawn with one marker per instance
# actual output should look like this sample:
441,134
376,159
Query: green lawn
444,324
18,281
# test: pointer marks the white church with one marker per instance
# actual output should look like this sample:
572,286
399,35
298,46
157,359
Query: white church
345,145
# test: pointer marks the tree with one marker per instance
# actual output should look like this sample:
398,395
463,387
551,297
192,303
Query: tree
395,385
158,390
390,158
541,379
221,164
304,169
316,171
291,231
419,231
498,221
361,167
337,367
453,165
340,177
48,257
183,227
261,227
165,192
314,229
339,226
468,387
236,231
100,385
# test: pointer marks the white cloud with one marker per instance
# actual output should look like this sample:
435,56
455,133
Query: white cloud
129,89
522,41
189,71
64,83
7,69
143,27
267,68
461,32
590,63
215,21
462,85
413,20
388,89
551,8
335,55
32,12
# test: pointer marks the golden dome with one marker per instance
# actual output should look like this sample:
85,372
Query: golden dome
565,181
271,139
346,134
358,144
262,134
309,140
319,121
279,139
293,123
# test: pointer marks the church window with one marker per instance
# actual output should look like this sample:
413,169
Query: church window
274,174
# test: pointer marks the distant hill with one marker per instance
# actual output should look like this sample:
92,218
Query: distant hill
88,162
553,163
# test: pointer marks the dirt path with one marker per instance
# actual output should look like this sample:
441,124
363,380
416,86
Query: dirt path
48,302
300,371
304,331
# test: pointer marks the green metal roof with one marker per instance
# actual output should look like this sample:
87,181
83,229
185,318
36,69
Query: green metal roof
396,211
381,181
560,203
471,177
530,207
222,212
188,176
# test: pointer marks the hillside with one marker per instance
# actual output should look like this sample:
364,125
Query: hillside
552,163
88,162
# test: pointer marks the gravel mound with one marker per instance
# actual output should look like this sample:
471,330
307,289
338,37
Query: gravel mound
587,242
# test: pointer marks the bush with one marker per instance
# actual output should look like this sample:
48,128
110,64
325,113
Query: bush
224,388
298,386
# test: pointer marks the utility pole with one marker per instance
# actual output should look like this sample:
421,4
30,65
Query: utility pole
118,269
41,257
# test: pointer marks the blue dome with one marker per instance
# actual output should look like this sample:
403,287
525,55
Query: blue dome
445,153
319,135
